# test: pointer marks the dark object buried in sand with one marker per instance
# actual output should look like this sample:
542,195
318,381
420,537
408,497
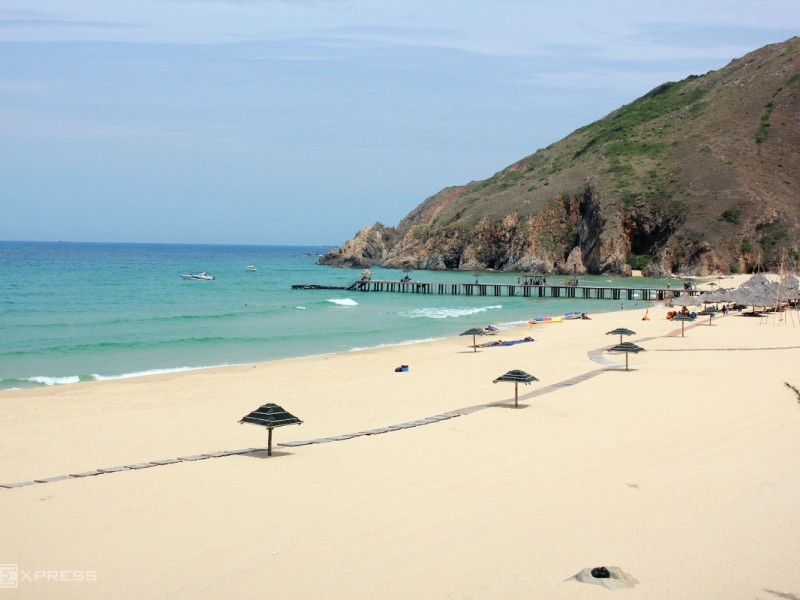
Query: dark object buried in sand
599,572
612,578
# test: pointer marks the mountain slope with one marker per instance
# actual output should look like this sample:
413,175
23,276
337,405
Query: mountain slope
698,176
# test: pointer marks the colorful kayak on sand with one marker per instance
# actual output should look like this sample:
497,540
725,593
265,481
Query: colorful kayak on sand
536,320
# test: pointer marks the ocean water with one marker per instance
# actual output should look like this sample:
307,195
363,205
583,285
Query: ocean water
74,312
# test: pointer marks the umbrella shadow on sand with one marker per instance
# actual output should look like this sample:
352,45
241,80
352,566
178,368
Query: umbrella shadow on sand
508,404
264,453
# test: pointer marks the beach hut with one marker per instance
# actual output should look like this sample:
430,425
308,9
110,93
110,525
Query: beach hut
516,377
474,332
620,331
627,348
270,416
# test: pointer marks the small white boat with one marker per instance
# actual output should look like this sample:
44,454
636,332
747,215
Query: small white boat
250,268
202,276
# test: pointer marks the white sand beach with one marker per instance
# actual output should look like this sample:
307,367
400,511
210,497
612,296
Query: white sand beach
684,471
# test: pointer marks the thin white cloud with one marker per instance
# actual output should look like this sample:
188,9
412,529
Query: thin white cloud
502,27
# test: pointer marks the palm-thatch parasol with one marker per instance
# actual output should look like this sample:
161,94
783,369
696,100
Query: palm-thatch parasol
711,311
270,416
620,331
473,332
682,318
627,348
717,296
791,288
757,291
516,377
758,279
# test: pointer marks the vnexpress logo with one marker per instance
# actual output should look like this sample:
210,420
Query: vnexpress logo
9,576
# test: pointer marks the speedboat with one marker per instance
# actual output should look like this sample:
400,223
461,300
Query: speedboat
202,276
250,268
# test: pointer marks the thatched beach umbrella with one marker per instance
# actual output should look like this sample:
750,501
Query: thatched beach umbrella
516,377
718,296
627,348
711,311
682,318
757,280
270,416
473,332
620,331
791,288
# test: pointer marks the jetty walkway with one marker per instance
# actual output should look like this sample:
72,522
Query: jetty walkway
508,289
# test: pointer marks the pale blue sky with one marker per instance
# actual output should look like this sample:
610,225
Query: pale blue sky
299,122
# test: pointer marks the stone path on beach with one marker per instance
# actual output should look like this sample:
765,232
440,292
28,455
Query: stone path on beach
594,355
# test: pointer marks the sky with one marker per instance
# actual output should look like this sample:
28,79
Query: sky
301,121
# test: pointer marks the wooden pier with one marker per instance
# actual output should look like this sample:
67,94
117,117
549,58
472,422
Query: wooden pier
583,292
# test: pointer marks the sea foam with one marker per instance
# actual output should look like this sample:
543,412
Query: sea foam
447,313
342,301
43,380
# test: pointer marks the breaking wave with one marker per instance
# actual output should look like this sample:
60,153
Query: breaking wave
342,301
448,313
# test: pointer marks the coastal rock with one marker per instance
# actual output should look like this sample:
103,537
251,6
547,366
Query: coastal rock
574,263
369,247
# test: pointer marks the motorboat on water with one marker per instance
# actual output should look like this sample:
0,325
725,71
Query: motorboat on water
250,268
202,276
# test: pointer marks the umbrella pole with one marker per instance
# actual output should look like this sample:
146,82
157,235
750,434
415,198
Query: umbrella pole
626,361
474,344
269,443
516,395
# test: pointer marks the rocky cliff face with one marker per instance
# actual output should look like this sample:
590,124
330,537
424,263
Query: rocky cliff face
370,247
696,177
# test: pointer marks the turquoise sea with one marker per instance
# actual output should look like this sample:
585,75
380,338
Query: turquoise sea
74,312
